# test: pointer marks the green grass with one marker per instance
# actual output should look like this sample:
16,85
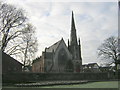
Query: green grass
106,84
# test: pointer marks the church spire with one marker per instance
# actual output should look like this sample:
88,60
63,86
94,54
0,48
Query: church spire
74,48
73,37
73,22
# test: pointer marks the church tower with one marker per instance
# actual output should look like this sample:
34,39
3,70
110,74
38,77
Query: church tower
75,47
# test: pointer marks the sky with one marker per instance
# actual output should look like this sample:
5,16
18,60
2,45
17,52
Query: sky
95,21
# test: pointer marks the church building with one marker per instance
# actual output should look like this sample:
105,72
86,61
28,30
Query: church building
60,57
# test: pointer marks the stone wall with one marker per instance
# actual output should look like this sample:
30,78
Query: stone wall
35,77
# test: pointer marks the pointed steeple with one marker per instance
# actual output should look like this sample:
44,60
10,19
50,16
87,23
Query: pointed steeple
73,37
72,22
75,47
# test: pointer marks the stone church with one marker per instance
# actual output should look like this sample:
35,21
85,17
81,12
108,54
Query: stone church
61,57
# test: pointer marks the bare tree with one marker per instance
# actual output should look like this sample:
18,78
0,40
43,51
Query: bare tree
11,23
17,38
29,46
109,50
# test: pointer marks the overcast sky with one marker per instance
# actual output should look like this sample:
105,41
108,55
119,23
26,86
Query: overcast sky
95,21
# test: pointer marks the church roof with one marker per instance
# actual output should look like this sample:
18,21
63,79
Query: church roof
53,47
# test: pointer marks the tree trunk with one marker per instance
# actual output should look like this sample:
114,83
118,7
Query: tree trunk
25,55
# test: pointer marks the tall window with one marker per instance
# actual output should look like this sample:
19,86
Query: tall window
62,57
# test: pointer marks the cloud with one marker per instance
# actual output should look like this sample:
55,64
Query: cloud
95,21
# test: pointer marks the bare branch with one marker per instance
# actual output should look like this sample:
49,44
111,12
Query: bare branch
11,18
108,49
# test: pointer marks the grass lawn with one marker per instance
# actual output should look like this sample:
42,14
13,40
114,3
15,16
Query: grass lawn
105,84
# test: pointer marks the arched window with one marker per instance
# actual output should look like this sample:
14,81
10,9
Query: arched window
62,57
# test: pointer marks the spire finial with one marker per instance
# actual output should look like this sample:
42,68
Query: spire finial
72,23
72,13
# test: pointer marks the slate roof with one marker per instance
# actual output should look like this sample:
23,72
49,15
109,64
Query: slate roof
9,58
53,47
